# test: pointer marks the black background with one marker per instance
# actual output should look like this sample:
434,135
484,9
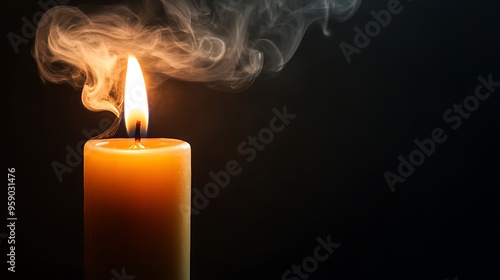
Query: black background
322,175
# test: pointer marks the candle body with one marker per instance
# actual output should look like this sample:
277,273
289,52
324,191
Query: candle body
137,209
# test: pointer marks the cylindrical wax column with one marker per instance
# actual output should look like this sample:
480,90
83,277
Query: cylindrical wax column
137,209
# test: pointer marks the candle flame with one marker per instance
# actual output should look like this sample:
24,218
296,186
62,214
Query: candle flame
136,98
225,44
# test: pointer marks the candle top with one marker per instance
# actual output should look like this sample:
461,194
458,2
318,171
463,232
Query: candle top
122,145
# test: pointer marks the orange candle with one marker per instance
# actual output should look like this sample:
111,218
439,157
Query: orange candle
137,198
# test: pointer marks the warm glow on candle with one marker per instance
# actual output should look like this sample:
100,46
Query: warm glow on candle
136,98
137,198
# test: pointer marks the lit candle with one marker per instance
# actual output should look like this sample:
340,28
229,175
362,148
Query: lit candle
137,197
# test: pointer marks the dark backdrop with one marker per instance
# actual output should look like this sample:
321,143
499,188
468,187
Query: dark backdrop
323,175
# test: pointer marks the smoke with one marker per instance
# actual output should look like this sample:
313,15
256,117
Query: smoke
224,43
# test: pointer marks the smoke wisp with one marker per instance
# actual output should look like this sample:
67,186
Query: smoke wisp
224,43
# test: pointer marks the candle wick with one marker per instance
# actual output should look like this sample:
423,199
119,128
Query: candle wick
138,131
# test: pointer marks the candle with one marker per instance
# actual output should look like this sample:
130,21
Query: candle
137,197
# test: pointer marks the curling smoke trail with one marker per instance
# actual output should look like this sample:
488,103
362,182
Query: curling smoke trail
224,43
